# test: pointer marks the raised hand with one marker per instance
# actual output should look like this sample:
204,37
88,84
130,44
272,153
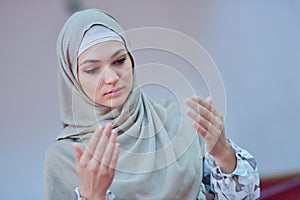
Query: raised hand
96,165
208,122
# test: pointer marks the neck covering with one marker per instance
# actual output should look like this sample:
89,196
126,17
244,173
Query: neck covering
161,155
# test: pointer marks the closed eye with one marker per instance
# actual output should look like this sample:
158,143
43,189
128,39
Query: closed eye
91,70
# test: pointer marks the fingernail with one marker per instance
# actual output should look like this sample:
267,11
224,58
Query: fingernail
188,101
113,133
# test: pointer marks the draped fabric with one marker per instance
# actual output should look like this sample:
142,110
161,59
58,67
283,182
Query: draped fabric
161,154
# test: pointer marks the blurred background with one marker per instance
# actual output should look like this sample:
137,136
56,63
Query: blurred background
255,45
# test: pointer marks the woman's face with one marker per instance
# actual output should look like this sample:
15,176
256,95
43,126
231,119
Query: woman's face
105,73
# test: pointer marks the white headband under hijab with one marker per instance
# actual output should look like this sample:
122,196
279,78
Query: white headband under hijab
97,34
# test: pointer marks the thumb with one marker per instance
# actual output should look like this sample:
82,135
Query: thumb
209,100
78,151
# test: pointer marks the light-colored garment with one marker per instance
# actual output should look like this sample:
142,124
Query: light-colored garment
242,183
96,35
161,154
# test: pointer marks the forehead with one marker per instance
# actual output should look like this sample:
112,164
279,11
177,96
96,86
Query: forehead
102,50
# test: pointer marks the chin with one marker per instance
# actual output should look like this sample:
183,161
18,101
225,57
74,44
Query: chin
114,102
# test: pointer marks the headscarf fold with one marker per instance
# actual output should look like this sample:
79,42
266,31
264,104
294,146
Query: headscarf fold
161,154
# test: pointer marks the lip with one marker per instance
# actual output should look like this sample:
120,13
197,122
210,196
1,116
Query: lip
114,92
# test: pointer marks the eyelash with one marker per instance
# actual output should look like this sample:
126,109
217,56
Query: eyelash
120,61
117,62
92,70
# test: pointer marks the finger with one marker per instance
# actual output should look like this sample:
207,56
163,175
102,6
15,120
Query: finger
202,102
101,146
94,140
200,130
210,135
115,157
205,124
107,156
90,149
209,106
209,100
198,119
198,108
78,152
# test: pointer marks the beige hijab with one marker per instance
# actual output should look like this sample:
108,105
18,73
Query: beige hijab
161,154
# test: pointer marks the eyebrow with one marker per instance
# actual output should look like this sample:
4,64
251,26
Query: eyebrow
96,61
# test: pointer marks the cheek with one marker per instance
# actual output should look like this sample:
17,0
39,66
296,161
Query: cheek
128,78
90,85
127,74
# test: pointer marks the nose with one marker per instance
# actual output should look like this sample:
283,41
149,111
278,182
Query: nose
110,76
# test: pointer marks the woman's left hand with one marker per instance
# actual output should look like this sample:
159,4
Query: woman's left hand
208,122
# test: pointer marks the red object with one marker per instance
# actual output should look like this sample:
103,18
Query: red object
281,189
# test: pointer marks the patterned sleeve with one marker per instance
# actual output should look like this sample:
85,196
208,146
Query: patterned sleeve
109,194
242,183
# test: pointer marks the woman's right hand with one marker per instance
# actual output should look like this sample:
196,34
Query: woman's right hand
96,165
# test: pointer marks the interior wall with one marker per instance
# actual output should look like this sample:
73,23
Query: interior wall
254,44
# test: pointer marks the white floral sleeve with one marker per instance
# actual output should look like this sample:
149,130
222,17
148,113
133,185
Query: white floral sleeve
242,183
109,194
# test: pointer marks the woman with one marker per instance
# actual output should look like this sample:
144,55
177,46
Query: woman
119,144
